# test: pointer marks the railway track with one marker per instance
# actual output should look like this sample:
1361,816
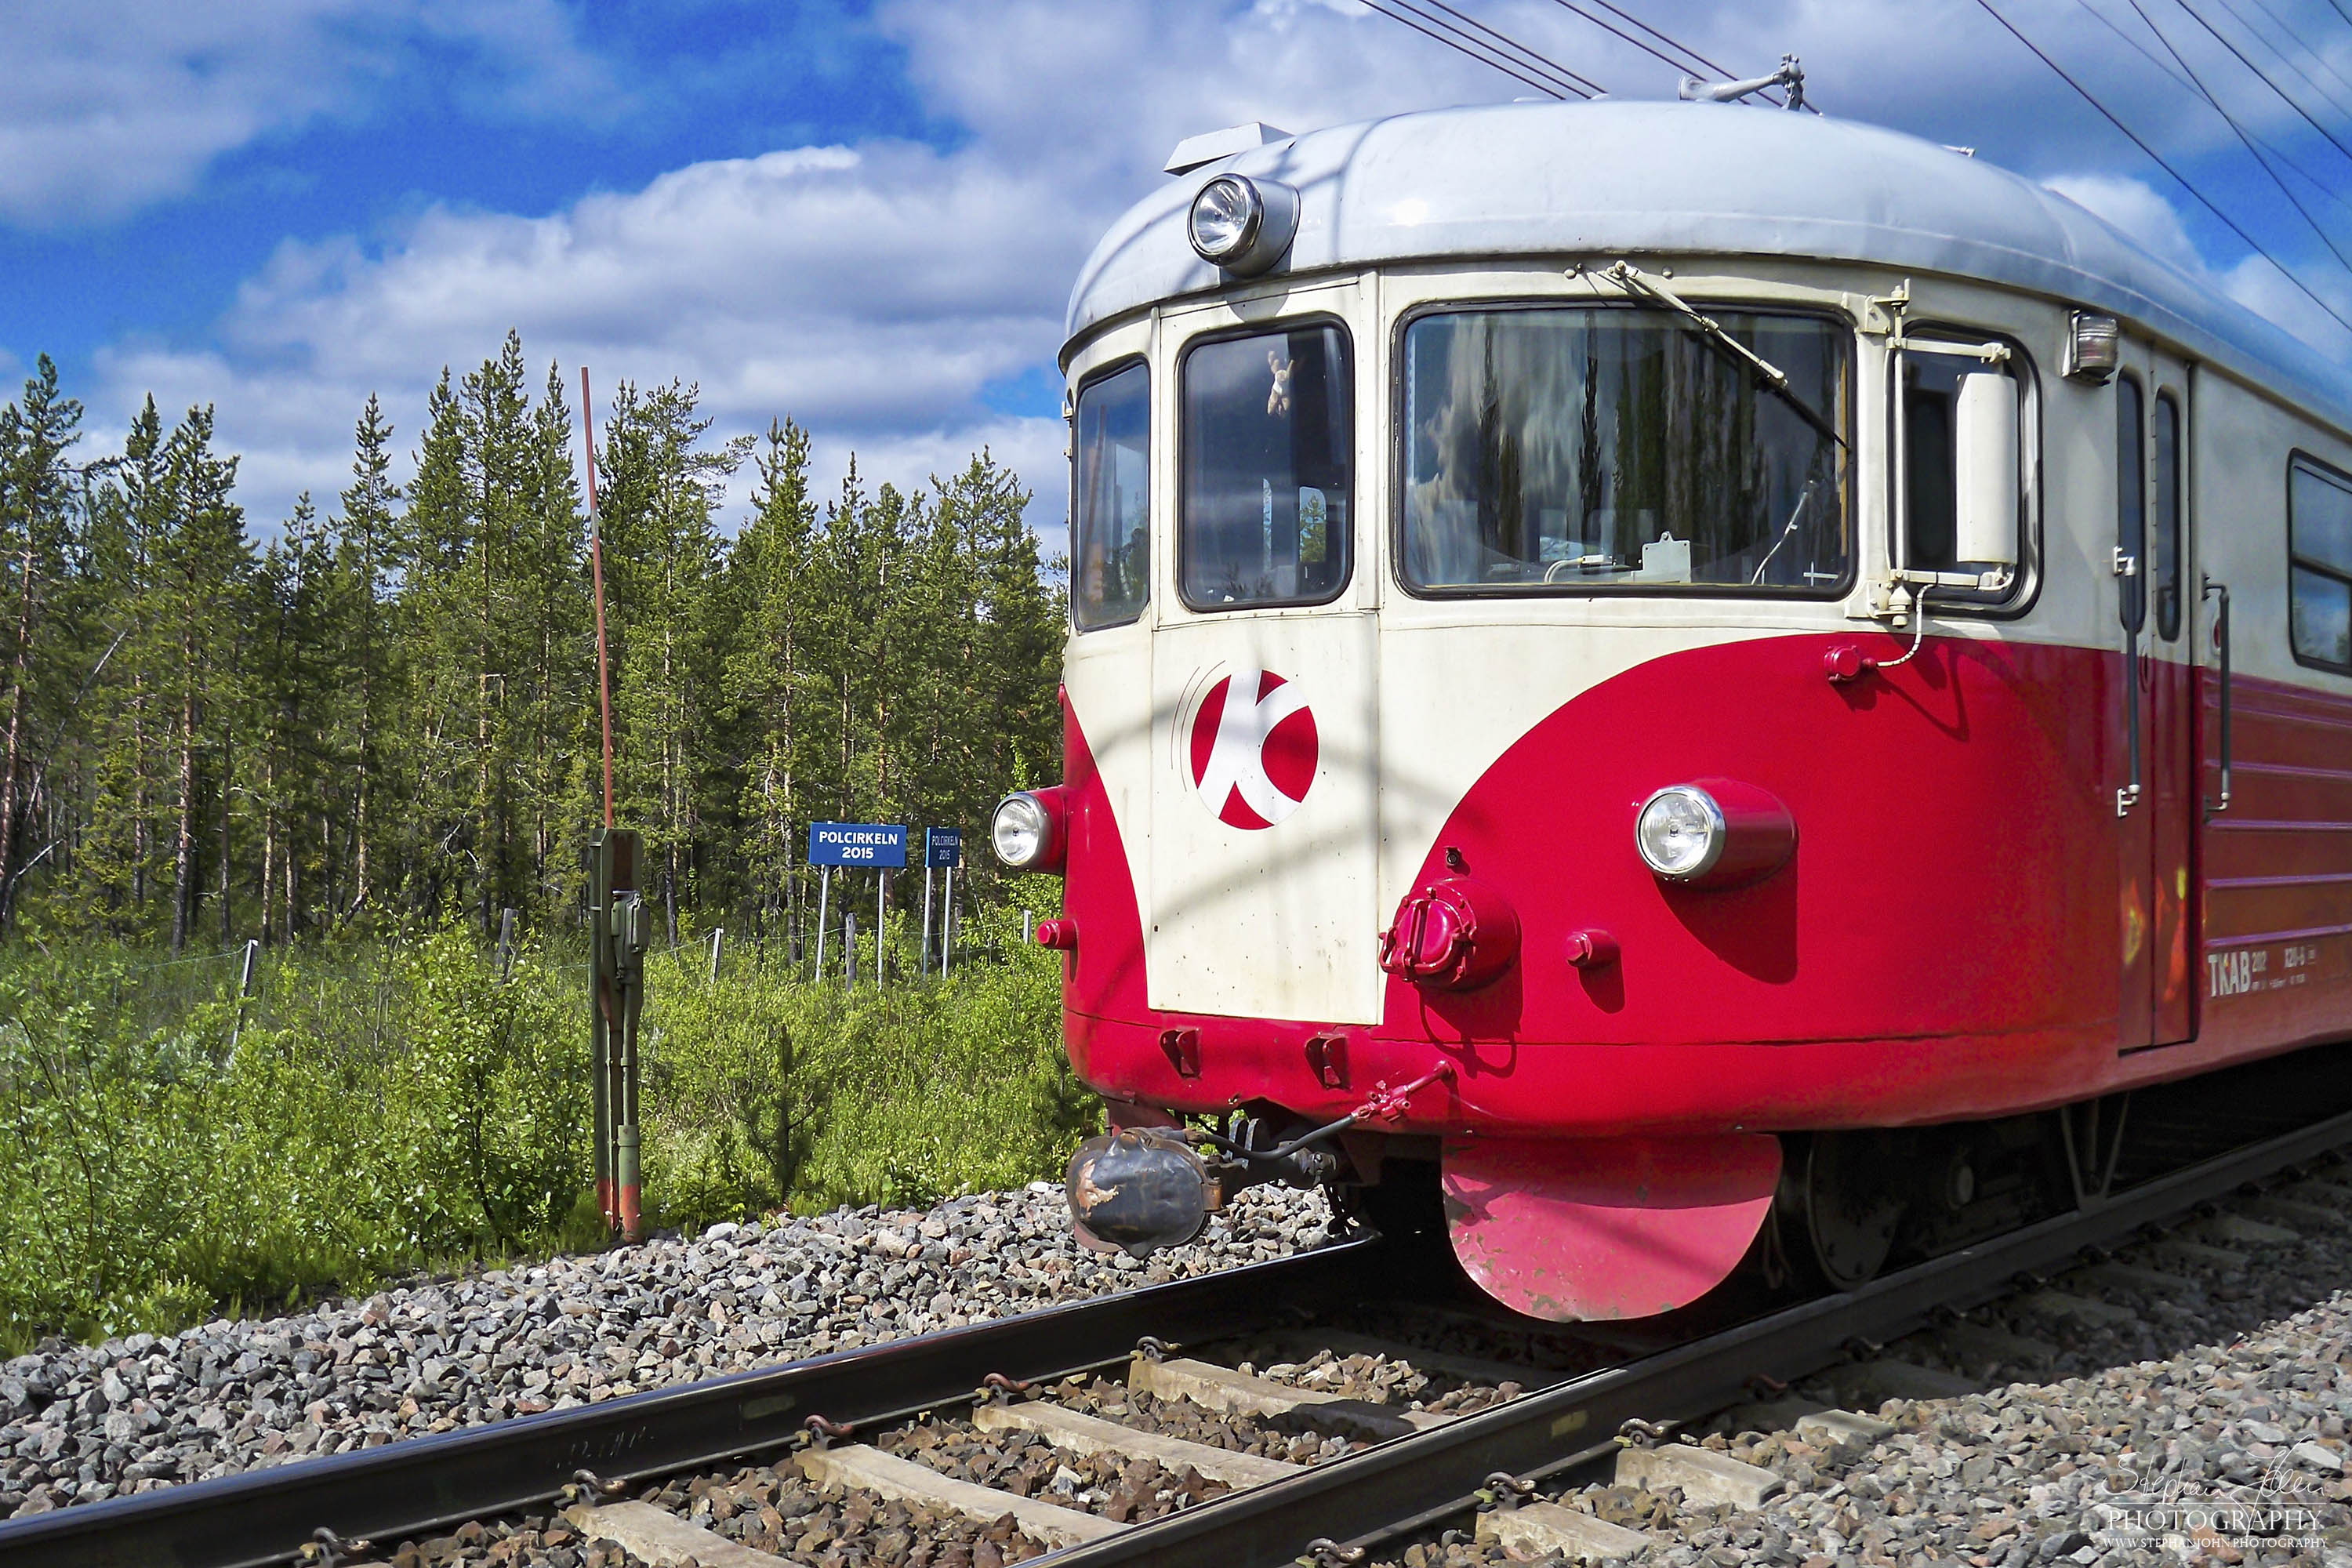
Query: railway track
1100,1452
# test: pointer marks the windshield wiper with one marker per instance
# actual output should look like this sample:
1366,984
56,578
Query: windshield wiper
1708,330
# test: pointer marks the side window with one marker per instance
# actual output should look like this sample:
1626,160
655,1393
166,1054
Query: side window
2131,499
1930,434
1111,500
1930,399
2164,554
2319,578
1269,463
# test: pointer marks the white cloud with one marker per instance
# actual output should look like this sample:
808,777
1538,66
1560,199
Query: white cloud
111,106
874,291
2135,207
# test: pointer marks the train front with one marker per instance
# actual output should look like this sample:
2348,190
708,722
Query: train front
1454,677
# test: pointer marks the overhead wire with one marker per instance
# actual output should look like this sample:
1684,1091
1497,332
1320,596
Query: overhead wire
1486,57
1574,8
2173,74
2318,58
1608,27
2286,58
1674,43
1584,84
2325,237
2284,97
2159,159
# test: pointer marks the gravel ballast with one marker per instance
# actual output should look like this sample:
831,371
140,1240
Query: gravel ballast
87,1423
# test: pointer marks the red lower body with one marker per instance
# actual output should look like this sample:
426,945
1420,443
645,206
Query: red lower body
1967,928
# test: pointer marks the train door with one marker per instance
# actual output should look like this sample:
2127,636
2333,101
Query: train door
1264,833
2155,609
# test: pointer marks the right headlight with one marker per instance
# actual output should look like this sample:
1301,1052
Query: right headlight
1026,832
1680,833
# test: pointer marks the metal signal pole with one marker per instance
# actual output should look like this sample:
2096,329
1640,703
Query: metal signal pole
596,570
616,936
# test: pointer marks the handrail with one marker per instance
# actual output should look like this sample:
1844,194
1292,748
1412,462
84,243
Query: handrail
2220,648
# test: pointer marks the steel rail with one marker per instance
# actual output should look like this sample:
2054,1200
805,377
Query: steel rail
1415,1482
407,1488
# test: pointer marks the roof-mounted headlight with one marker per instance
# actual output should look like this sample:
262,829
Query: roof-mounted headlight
1027,830
1242,225
1716,832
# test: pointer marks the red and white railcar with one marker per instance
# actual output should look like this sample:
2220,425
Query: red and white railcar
1658,654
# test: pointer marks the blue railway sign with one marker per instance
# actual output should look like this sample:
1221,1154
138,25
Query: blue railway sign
942,847
867,843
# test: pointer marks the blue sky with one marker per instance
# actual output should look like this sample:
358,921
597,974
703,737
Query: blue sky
866,217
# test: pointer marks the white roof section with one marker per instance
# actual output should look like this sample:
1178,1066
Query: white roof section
1212,145
1601,180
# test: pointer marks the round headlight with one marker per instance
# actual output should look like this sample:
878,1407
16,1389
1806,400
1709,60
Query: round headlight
1680,833
1225,217
1023,830
1242,225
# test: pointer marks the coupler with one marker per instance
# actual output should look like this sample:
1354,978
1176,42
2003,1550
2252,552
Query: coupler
1140,1189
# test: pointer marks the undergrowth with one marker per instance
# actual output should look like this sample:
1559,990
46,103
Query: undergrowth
375,1110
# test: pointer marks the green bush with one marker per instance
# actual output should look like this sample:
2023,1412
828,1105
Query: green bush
381,1108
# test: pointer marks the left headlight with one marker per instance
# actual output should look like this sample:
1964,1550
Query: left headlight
1680,833
1027,830
1242,225
1714,833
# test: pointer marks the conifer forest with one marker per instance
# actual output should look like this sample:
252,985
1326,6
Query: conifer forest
381,711
271,786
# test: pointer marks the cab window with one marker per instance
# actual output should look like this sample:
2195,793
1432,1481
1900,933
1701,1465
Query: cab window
1588,449
1111,543
1268,469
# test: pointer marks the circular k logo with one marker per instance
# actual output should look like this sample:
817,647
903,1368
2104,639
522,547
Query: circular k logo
1253,749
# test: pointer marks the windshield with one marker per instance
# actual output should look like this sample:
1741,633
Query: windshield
1580,448
1268,442
1111,546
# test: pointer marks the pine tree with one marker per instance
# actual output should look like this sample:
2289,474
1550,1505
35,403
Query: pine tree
370,555
36,488
767,673
209,562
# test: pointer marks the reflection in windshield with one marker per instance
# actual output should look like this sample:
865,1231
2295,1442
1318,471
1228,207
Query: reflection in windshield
1267,446
1584,448
1111,541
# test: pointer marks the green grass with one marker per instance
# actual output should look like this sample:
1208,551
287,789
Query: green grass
386,1108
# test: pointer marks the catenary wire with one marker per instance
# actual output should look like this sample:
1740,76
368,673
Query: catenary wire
2279,22
2284,97
1487,59
1515,74
1572,7
2157,159
2334,102
2296,202
1549,66
2283,157
1674,43
1521,58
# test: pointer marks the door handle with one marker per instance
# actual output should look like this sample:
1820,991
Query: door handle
2128,795
2221,647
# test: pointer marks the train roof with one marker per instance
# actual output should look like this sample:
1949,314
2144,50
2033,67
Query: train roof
1649,178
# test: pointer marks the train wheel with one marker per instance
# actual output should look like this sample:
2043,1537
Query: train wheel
1840,1201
